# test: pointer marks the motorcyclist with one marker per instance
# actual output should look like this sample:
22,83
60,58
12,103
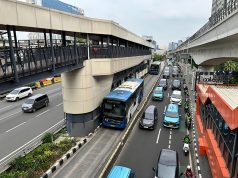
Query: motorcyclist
188,173
186,105
188,117
186,139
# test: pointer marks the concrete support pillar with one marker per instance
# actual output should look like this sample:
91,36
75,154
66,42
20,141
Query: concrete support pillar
45,39
12,56
88,46
108,40
52,52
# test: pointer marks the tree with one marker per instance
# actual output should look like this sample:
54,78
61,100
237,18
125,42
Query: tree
158,57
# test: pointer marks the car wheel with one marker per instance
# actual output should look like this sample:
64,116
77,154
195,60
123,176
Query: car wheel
29,94
34,110
46,104
17,98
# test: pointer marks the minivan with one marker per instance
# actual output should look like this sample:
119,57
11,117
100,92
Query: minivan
35,102
168,164
19,93
121,172
149,118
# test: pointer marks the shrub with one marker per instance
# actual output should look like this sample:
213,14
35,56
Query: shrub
47,138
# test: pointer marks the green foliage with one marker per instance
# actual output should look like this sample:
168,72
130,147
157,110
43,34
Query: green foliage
228,66
35,163
47,138
158,57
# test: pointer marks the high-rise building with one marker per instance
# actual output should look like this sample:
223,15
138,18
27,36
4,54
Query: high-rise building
172,46
218,4
58,5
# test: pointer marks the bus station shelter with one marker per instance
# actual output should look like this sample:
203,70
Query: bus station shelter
217,124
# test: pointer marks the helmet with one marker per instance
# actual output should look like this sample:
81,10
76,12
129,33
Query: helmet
189,167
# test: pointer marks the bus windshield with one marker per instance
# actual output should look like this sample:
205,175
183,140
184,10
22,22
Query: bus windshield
114,109
154,67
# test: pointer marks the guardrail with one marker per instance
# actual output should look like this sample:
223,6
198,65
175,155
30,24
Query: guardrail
29,146
121,144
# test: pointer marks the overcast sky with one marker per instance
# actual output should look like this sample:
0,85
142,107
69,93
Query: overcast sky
165,20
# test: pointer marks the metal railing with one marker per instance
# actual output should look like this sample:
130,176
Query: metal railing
215,18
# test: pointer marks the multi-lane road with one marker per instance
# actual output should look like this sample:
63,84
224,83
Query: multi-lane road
142,149
18,129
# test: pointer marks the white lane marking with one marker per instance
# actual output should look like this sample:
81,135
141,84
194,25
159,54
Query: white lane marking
10,115
157,141
28,143
170,137
6,107
169,147
59,104
15,126
165,108
168,95
43,113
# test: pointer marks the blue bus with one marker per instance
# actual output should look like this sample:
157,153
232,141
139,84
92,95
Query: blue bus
155,68
120,104
121,172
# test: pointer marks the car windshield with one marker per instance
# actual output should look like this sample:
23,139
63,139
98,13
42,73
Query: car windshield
176,96
158,92
114,109
171,114
14,92
29,101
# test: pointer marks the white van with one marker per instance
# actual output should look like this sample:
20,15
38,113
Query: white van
19,93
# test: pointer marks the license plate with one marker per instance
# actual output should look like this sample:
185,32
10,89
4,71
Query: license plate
146,127
171,125
112,125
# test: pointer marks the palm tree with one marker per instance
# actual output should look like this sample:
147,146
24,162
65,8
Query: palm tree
230,66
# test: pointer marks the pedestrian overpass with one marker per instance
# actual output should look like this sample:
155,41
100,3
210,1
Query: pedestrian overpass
93,56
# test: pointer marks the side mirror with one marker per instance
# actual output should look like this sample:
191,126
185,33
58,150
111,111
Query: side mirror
153,169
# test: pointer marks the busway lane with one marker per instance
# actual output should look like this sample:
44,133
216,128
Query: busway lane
89,160
18,117
142,148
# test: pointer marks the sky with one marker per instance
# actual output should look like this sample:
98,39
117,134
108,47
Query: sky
165,20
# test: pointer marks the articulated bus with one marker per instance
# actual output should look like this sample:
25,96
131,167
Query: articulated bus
155,68
120,104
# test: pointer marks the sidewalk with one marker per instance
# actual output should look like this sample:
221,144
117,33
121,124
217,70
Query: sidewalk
201,165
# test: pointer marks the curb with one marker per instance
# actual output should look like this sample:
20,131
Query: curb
195,144
67,155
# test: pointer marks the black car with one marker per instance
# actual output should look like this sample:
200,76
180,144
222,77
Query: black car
168,164
149,118
163,83
166,74
176,85
35,102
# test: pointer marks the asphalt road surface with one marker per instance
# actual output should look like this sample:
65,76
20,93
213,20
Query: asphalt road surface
142,149
18,128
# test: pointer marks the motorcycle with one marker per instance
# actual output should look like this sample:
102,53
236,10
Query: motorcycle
188,175
186,148
186,108
188,123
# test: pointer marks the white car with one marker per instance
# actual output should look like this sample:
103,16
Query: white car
176,97
19,93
